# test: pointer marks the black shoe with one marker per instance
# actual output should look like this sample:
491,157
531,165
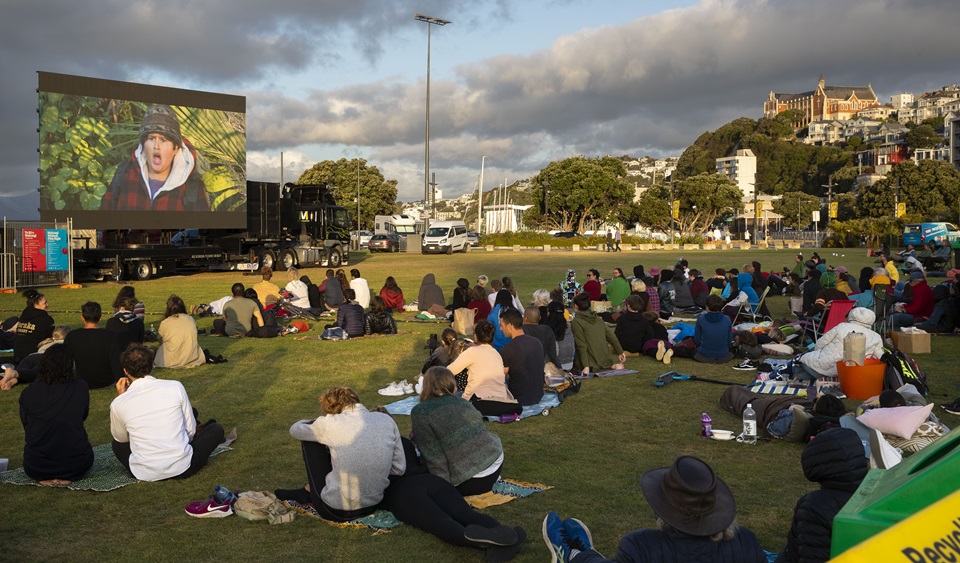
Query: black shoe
498,535
746,365
301,495
500,554
952,408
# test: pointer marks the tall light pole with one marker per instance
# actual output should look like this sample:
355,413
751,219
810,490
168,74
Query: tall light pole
429,20
483,160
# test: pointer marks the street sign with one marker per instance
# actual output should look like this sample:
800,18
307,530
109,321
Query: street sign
833,209
901,209
676,209
816,216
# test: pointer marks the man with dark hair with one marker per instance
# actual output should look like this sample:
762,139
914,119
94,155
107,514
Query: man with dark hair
522,360
95,350
542,332
267,291
154,427
332,291
162,173
360,287
239,314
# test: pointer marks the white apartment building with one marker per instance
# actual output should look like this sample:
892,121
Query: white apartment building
741,169
901,100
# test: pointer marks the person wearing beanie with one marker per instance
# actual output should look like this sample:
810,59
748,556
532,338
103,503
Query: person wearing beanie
822,360
161,174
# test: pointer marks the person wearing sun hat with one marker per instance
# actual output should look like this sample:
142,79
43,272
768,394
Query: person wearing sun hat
161,174
696,521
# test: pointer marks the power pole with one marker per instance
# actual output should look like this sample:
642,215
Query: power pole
829,186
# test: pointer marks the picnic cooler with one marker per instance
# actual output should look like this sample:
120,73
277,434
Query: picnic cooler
889,496
862,382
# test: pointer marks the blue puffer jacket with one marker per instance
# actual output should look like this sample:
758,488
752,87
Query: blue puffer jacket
669,547
350,319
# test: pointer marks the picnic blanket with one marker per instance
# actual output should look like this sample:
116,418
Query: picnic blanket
607,373
106,474
504,491
550,399
777,388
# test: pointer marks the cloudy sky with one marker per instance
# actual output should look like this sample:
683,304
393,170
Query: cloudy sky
522,83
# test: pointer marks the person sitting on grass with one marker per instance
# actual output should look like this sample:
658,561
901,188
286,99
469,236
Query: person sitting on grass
332,291
828,350
522,359
267,291
270,327
462,294
155,431
392,295
52,410
350,316
591,337
835,460
479,303
633,330
542,332
126,324
349,454
430,294
486,381
179,347
240,315
95,350
713,334
298,291
360,287
503,303
453,441
378,320
129,291
33,326
696,521
26,370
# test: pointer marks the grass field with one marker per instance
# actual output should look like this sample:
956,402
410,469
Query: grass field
591,450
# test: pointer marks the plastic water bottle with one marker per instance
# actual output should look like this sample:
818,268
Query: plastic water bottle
749,425
707,423
222,494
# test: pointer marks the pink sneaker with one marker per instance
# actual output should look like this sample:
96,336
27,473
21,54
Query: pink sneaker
209,509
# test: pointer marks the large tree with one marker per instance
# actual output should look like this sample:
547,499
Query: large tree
929,189
796,208
702,199
576,193
377,195
923,136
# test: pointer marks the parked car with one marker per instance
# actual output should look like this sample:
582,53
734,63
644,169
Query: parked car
473,238
384,243
364,237
566,234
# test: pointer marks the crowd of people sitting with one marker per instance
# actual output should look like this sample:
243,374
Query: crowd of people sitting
493,368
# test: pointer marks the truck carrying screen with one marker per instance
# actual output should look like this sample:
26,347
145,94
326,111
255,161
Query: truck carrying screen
118,155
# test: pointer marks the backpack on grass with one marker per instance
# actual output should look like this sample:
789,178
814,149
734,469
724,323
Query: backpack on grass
902,369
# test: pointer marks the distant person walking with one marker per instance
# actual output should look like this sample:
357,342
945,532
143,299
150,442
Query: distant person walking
609,240
617,239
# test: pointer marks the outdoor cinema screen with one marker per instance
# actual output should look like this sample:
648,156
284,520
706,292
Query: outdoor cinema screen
118,155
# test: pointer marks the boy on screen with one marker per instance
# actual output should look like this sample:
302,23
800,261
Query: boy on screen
161,174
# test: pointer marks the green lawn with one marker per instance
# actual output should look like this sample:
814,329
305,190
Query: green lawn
591,450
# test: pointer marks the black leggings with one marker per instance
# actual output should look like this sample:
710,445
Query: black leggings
430,503
203,444
478,485
494,408
316,457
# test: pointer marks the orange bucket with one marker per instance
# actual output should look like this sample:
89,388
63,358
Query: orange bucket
862,382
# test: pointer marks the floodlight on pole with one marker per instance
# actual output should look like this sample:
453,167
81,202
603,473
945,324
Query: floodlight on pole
429,20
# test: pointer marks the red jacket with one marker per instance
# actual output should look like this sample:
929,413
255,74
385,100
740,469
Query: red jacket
594,289
393,299
922,303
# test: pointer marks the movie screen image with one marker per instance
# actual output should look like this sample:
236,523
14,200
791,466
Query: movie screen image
117,155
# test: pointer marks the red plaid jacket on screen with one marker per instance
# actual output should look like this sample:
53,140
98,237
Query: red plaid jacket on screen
128,191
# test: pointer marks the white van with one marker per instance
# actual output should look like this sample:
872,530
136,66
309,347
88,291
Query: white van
446,236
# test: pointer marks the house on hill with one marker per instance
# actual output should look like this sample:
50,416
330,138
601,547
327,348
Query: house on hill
824,103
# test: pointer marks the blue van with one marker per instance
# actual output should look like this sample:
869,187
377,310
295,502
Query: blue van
919,233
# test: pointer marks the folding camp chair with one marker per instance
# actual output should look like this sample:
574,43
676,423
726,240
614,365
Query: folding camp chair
880,305
751,310
833,314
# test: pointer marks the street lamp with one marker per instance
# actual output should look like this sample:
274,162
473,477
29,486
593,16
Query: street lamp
426,151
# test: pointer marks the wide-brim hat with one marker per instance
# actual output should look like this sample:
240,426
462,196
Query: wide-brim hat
690,497
654,271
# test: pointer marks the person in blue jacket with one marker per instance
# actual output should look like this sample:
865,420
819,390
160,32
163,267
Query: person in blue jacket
713,334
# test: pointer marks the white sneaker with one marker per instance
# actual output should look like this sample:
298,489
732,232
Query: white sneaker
418,388
392,390
882,454
406,387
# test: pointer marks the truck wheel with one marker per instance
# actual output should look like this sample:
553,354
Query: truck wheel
288,259
333,261
268,259
142,270
395,248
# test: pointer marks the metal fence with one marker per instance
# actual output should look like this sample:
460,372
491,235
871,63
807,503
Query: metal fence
14,270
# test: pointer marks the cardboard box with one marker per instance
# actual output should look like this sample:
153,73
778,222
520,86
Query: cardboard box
910,343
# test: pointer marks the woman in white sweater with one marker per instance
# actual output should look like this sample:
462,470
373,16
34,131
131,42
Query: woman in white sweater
486,380
349,454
